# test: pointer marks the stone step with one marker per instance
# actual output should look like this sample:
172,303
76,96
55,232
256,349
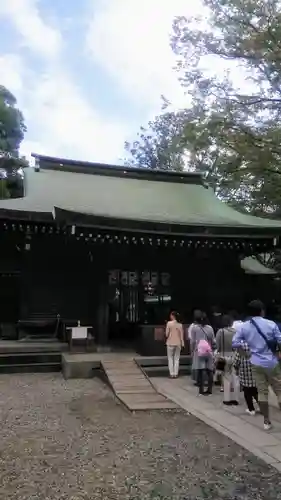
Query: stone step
136,390
119,363
145,398
129,380
132,387
151,406
125,376
125,382
124,371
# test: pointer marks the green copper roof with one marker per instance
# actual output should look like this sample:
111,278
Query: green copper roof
139,199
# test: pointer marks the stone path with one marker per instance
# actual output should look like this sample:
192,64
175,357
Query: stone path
132,387
233,422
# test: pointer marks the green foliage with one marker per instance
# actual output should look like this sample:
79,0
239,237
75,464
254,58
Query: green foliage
157,145
12,127
11,176
244,129
232,135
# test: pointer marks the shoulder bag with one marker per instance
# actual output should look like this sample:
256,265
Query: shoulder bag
271,343
220,362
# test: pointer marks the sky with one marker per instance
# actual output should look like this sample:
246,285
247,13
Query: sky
87,74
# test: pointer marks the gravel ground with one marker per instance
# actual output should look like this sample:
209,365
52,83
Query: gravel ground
72,440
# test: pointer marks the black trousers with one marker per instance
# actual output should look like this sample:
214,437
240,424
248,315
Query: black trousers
250,393
200,379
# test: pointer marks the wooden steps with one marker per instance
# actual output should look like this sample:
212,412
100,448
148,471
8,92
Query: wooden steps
132,387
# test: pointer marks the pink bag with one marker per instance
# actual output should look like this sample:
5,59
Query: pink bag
204,348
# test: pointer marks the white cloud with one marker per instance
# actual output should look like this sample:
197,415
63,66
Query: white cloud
69,125
60,121
11,72
131,41
36,34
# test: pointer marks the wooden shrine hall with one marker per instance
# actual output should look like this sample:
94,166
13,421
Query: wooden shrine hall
117,248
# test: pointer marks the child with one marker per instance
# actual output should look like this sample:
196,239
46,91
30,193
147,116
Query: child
243,367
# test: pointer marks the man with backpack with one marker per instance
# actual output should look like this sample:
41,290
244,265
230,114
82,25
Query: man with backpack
263,338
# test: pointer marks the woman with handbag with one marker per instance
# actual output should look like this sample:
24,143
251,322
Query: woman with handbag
224,362
202,344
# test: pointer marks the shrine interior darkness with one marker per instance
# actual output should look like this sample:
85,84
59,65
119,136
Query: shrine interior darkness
123,280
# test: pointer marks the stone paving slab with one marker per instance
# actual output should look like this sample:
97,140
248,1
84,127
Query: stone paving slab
233,422
274,451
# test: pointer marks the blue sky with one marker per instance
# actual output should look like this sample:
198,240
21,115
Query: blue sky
87,74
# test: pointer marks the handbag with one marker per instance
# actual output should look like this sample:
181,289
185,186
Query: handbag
220,363
204,349
271,343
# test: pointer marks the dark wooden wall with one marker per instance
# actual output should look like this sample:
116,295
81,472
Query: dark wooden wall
56,275
70,278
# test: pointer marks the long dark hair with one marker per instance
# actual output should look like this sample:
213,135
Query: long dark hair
200,317
226,321
175,315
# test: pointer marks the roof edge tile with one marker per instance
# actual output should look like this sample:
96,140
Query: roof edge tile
94,168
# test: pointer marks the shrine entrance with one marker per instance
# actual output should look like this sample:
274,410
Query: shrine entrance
134,298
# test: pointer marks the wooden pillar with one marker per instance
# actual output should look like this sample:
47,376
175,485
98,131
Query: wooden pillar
102,317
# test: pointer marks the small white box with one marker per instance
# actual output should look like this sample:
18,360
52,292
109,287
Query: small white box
79,332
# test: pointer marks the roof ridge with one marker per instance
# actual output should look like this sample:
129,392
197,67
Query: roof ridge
95,168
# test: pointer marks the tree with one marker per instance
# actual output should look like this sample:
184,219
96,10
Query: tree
233,135
156,146
12,129
247,124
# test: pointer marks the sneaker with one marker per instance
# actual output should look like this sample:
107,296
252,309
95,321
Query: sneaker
251,412
267,426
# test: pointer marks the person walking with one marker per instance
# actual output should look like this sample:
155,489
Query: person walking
230,383
264,340
243,368
194,375
202,345
174,343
